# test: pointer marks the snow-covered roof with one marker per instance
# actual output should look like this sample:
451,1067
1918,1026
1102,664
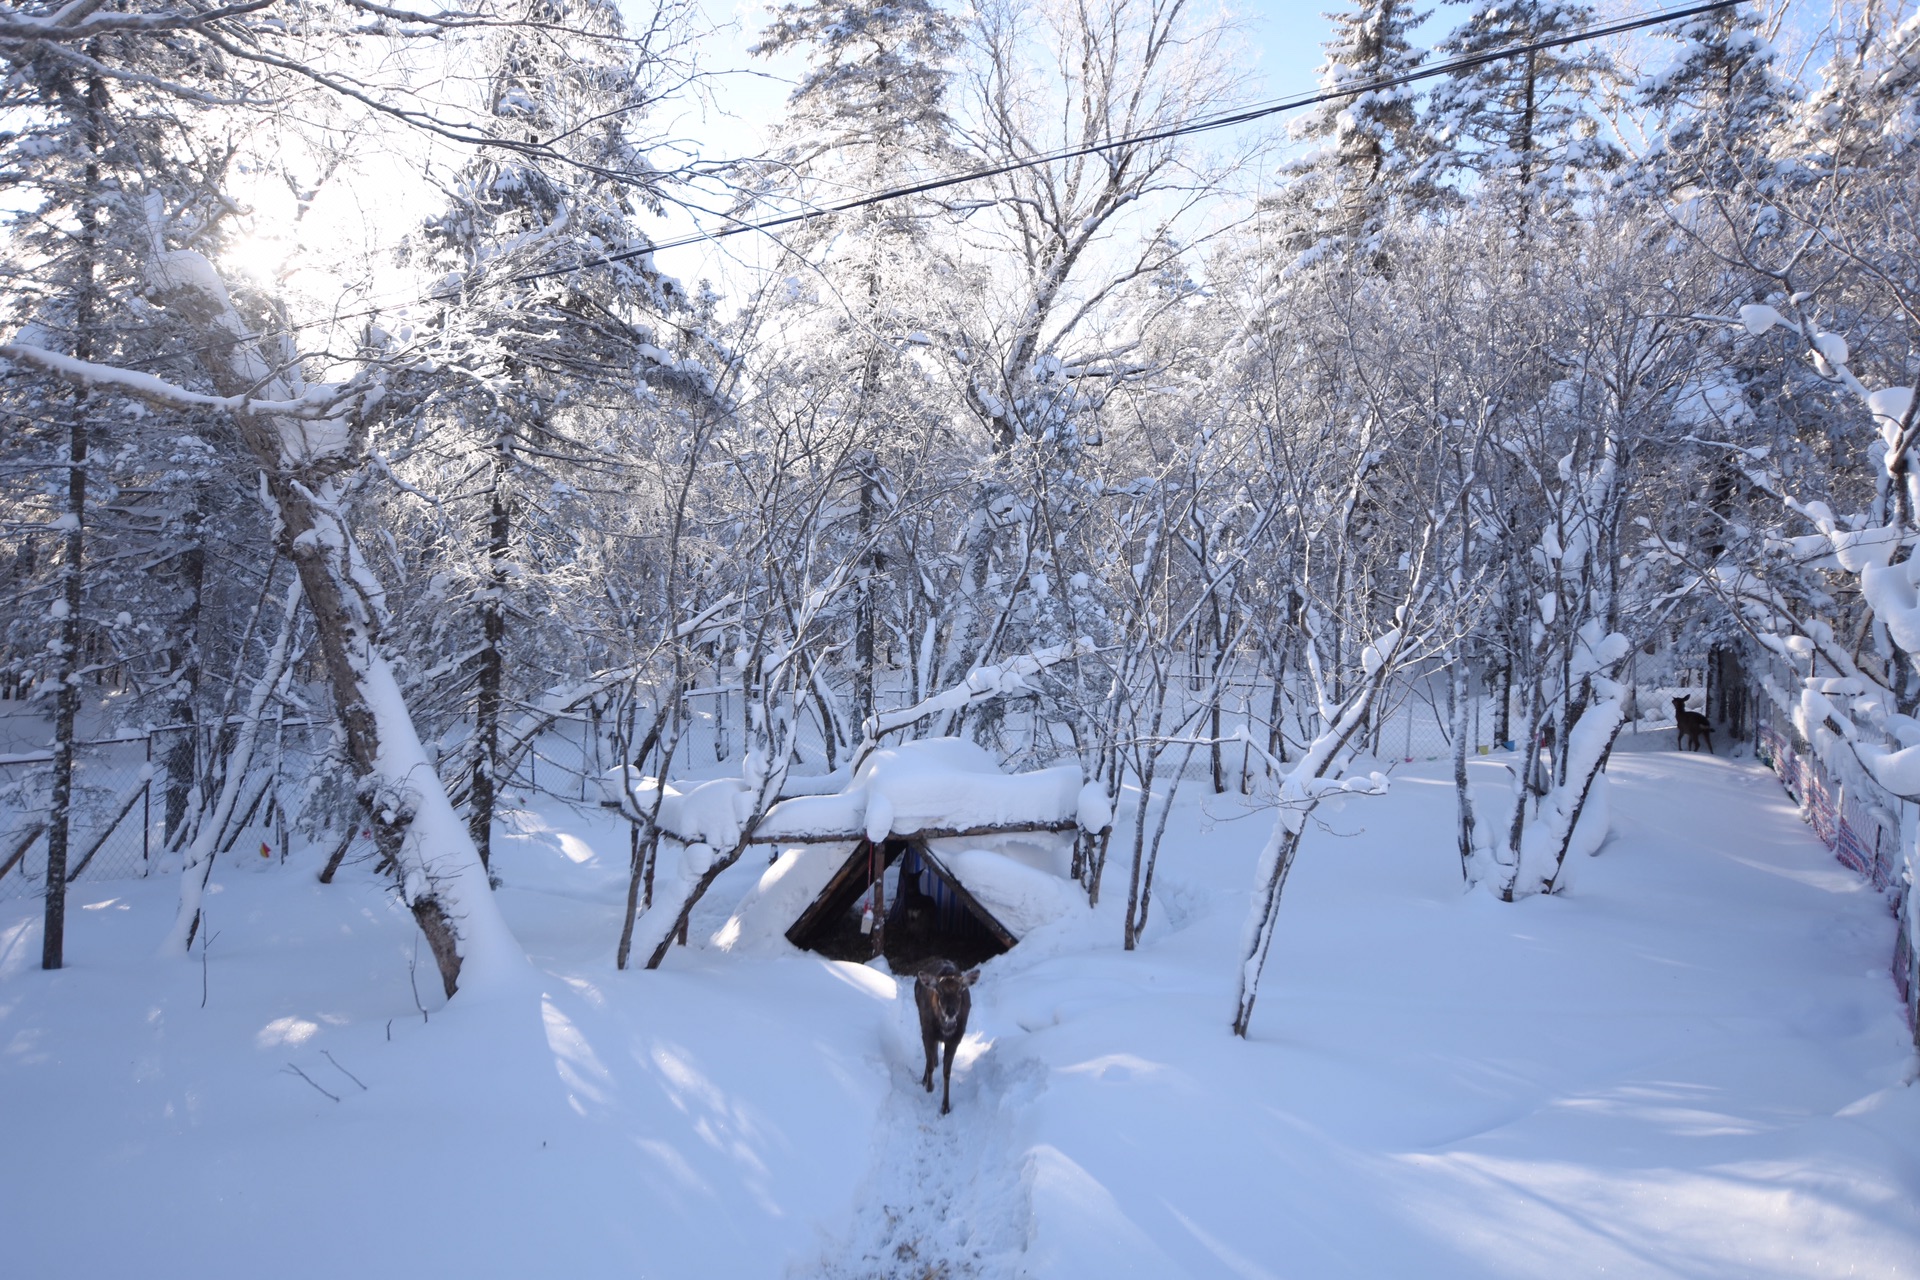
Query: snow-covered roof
933,785
785,889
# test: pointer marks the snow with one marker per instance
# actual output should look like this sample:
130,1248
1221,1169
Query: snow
1018,896
1759,318
1890,405
1897,771
786,888
1832,348
1376,653
1890,591
713,812
1094,809
327,437
1690,1064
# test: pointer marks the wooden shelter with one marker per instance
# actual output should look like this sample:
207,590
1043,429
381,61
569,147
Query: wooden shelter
882,865
929,912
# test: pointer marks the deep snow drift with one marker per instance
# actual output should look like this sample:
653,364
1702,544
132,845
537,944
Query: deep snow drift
1689,1065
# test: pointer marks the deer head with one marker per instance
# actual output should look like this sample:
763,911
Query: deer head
944,998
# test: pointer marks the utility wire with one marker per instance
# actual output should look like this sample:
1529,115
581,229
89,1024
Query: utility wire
1204,124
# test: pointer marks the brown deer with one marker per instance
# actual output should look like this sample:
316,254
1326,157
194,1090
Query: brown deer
1691,726
941,993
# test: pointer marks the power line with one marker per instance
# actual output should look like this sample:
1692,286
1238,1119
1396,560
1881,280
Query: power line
1204,124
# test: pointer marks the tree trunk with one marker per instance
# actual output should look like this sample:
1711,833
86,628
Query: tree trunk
1462,797
1131,934
1525,144
1216,631
1503,702
66,706
1280,850
864,620
493,630
179,756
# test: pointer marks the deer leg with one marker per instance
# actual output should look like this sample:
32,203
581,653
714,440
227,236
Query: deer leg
933,1055
946,1079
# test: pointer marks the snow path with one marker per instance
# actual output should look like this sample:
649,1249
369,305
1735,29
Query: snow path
946,1197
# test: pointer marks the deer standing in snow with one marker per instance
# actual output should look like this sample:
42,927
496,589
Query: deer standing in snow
941,993
1691,726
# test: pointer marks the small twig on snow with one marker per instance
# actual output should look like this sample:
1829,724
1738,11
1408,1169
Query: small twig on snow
309,1079
413,967
342,1070
206,940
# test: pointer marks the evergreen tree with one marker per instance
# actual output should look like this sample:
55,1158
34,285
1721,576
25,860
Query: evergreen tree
868,113
1369,144
1720,105
549,325
1516,130
105,154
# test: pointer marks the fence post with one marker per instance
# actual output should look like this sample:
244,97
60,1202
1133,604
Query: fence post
279,771
146,815
1633,685
1476,699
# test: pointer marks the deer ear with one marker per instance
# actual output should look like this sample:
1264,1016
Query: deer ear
970,977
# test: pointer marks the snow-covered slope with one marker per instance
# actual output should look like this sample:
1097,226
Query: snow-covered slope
1690,1065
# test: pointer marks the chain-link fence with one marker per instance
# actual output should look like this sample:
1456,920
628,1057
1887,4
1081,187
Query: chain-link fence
111,835
119,827
118,824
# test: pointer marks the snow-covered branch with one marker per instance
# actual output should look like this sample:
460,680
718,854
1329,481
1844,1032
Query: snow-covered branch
317,403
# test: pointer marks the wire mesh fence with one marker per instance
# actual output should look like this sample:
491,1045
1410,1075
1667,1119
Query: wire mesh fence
119,827
110,835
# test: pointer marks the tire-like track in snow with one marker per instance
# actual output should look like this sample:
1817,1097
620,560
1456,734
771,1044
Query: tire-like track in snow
946,1197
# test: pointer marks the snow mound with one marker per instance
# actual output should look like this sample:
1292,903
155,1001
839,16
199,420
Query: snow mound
1019,897
711,813
1048,852
787,888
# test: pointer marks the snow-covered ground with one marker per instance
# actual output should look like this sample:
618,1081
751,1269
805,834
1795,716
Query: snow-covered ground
1692,1064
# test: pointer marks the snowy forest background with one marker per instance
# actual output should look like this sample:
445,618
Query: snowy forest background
355,445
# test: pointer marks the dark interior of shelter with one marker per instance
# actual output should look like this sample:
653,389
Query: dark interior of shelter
919,913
